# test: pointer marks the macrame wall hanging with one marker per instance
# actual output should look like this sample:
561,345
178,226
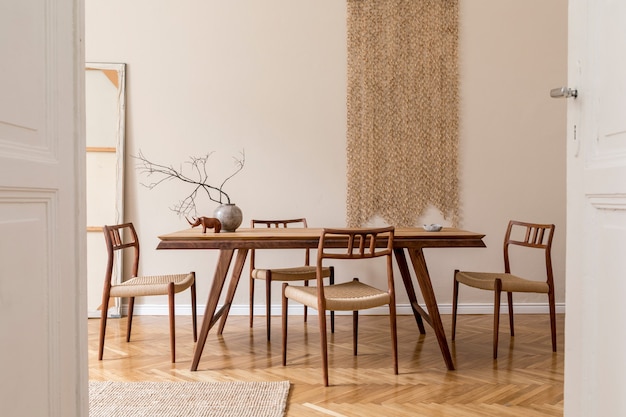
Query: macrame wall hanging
402,140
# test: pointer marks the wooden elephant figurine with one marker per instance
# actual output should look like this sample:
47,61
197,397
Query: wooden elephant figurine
207,223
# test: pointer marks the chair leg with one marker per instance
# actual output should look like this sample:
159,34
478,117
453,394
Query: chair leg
355,327
251,300
268,305
194,314
170,296
331,280
455,299
509,296
131,306
551,301
324,345
284,320
355,331
394,335
103,325
496,316
306,309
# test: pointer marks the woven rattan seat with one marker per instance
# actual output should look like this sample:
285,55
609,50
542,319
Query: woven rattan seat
510,282
347,296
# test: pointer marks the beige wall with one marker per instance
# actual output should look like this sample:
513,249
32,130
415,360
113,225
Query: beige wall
270,77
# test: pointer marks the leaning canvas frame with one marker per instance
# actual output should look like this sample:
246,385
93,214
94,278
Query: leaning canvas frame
105,102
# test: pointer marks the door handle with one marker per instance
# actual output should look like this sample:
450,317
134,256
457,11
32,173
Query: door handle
563,92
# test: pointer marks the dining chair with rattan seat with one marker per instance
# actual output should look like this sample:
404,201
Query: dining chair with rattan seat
360,244
304,273
123,237
529,236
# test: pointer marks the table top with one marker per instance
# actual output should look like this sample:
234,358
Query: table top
255,238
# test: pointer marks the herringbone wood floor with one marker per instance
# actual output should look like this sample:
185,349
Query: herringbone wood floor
527,378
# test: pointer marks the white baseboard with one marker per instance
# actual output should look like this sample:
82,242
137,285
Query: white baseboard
401,309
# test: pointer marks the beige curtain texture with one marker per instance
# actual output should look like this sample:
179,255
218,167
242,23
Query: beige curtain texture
402,139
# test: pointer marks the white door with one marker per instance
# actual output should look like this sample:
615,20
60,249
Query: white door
595,336
43,330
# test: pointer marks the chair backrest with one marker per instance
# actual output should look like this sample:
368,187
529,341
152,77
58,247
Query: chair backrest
283,223
530,235
119,237
359,243
356,243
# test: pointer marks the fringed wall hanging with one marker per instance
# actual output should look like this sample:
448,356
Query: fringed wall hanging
402,139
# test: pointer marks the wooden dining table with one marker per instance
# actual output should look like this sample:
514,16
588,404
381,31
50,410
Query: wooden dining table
407,240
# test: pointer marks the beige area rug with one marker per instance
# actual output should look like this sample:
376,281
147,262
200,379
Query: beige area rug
188,399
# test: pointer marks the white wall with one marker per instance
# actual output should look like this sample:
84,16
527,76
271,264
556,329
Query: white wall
270,77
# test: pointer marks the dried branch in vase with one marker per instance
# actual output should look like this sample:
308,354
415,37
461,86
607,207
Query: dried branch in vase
193,172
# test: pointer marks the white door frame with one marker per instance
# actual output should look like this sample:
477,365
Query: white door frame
43,349
595,341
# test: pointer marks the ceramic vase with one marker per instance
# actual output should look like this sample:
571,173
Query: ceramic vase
230,216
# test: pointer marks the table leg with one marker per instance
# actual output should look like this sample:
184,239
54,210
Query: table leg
408,285
221,271
232,287
423,279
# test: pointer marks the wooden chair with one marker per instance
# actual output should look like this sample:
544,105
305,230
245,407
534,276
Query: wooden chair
121,237
526,235
352,296
304,273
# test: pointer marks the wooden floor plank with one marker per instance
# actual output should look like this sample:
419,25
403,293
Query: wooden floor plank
526,379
